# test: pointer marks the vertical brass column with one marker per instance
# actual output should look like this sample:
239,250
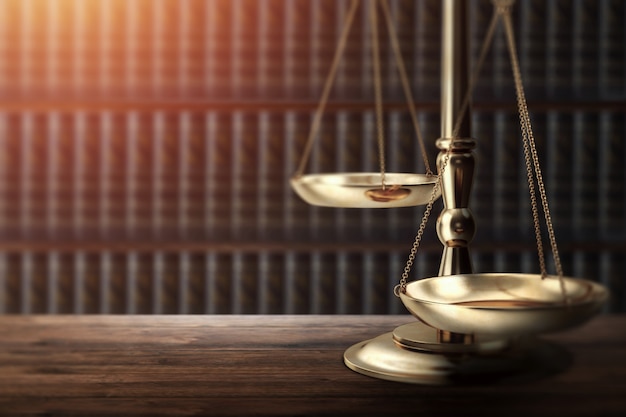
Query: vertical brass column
455,225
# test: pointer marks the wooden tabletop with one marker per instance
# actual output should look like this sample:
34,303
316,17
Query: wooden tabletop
271,365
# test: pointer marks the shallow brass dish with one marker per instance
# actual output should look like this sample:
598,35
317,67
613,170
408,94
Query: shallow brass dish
503,304
364,190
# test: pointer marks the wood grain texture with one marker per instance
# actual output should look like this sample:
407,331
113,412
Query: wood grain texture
270,365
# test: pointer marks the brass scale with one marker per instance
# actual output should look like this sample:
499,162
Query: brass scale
469,325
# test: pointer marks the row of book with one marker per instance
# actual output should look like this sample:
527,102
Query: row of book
318,282
225,176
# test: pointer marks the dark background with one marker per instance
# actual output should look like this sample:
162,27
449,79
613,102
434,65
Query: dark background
146,148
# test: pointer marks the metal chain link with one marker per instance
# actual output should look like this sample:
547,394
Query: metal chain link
530,148
525,116
533,197
401,287
526,130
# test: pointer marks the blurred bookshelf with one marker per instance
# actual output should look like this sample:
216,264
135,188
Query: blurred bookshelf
146,148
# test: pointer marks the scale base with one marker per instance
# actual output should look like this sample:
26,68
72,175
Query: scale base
487,361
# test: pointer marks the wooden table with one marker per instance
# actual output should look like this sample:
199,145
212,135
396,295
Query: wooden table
270,365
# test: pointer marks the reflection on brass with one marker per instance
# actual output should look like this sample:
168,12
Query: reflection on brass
382,358
503,304
354,189
389,193
422,338
444,336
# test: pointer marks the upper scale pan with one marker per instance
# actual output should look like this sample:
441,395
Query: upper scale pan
503,304
364,190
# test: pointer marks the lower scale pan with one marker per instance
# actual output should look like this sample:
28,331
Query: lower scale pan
364,189
503,304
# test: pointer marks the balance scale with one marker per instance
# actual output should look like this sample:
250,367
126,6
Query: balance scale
470,326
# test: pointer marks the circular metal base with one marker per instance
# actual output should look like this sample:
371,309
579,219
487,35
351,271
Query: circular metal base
382,357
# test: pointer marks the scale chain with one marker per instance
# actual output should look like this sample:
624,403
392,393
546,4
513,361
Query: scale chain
525,116
529,145
503,10
526,131
401,287
317,118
